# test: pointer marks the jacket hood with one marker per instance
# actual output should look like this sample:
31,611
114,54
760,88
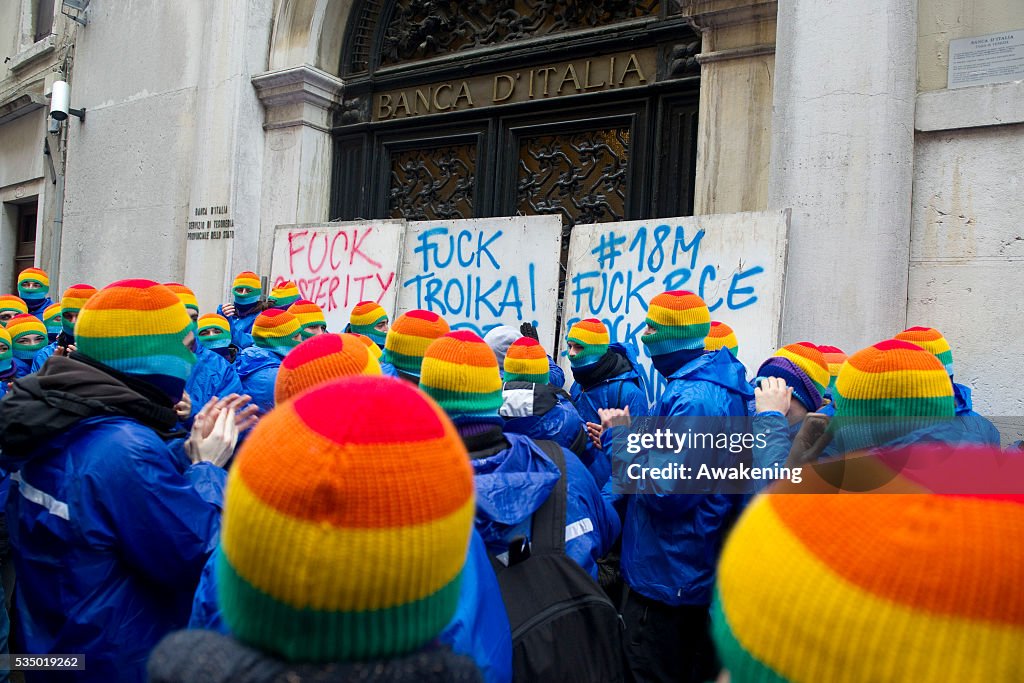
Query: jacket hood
511,484
720,368
207,657
255,358
527,399
962,396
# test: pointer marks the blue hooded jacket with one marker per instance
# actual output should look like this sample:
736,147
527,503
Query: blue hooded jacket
625,389
109,540
257,369
241,327
22,367
515,477
211,376
38,309
544,412
479,629
556,376
671,542
980,427
43,355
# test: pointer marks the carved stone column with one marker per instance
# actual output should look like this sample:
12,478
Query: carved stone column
737,61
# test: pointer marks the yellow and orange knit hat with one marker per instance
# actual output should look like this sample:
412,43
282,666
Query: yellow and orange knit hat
246,281
22,327
284,295
681,321
73,300
810,360
593,336
320,359
38,276
835,357
913,586
460,372
721,336
375,350
409,337
932,341
52,319
185,295
377,512
310,317
217,331
526,361
364,318
275,329
11,306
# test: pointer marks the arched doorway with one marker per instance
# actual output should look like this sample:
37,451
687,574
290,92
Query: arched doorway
467,109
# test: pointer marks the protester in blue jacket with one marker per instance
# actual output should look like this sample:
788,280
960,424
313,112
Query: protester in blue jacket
460,372
244,308
500,338
108,537
534,408
671,539
8,372
606,375
274,334
28,337
34,288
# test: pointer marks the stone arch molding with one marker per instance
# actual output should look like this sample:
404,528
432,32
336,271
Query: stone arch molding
310,33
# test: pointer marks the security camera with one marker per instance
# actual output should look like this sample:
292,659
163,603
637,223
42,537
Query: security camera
60,102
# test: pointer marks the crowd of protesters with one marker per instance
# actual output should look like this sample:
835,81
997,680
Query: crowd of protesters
246,495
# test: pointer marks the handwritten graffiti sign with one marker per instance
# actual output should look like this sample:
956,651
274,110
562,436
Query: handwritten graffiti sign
337,265
484,272
735,262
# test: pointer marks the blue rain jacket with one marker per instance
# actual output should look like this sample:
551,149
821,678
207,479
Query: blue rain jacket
22,367
556,376
211,376
257,369
514,482
241,327
43,355
39,309
671,542
109,540
979,426
626,389
387,369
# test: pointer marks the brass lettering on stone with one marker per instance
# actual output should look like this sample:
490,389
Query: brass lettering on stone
611,72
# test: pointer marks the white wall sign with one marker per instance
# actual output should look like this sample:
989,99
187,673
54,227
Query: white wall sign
983,60
734,261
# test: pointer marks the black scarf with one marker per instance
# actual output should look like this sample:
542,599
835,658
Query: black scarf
611,364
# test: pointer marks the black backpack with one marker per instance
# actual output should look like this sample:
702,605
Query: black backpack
564,628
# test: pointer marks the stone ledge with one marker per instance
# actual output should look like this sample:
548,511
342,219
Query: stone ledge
975,107
712,14
298,96
33,53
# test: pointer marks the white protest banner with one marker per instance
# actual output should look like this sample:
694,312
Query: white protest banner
735,262
337,265
484,272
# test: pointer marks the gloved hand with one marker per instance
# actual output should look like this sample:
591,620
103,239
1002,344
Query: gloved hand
528,330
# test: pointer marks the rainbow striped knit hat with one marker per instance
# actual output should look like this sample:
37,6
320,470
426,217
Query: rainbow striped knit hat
364,317
681,322
247,280
377,513
526,361
593,336
275,329
21,326
460,372
872,587
7,353
721,336
218,328
309,316
932,341
409,337
12,304
74,298
810,360
138,327
835,357
185,295
371,345
320,359
33,275
52,320
284,295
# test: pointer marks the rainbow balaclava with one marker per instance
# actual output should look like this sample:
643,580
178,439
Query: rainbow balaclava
310,316
275,330
409,337
250,282
185,295
6,354
138,327
375,350
835,357
34,298
460,372
51,319
593,336
681,321
364,318
21,327
810,360
320,359
11,306
218,331
721,336
74,298
932,341
526,361
284,295
377,515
